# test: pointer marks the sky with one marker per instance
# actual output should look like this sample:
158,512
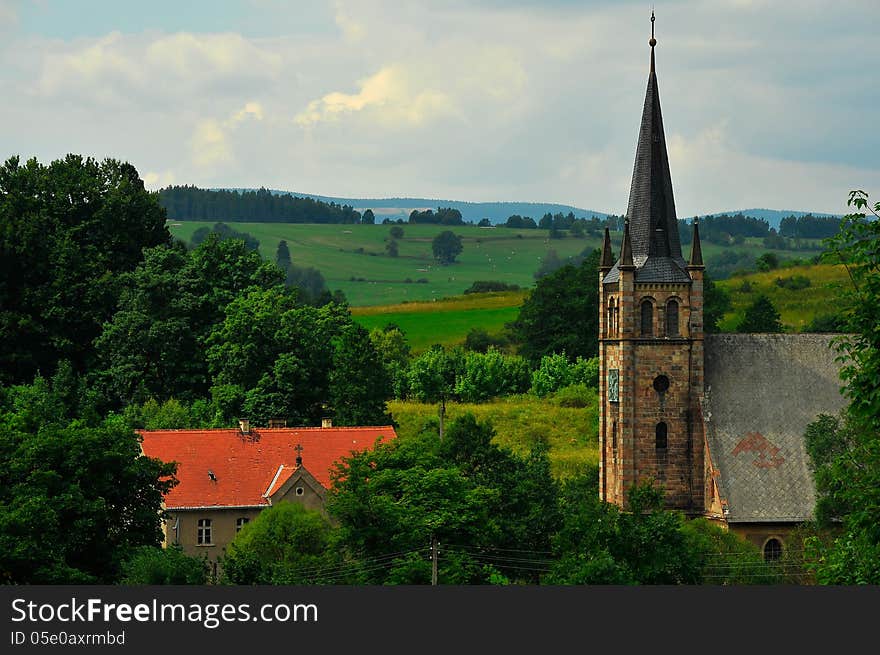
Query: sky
766,103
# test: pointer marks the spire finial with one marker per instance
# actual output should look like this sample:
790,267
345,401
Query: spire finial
653,41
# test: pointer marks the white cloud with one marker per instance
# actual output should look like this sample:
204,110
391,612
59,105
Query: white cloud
210,145
392,92
158,179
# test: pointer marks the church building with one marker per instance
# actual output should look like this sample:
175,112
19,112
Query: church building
716,420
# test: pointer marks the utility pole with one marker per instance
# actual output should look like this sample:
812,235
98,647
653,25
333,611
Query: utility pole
434,548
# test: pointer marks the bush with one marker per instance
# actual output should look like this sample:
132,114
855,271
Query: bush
557,372
575,395
149,565
794,283
487,286
491,375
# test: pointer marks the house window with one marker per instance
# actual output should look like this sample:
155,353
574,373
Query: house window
240,523
772,550
204,536
672,318
647,318
660,436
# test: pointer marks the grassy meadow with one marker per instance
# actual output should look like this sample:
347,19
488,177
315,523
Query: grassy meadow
572,433
445,321
796,307
352,258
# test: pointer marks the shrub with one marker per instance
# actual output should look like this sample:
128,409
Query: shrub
491,375
794,283
486,286
575,395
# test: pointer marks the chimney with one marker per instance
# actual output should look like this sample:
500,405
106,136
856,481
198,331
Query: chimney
326,422
244,425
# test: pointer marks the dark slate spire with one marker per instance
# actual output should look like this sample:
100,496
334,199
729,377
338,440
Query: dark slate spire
696,250
626,253
607,260
651,209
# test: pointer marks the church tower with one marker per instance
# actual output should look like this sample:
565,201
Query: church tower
651,336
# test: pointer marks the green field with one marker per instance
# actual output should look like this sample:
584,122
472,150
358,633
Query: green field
796,308
571,433
446,321
352,258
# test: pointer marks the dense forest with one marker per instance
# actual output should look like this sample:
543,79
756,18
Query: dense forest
189,203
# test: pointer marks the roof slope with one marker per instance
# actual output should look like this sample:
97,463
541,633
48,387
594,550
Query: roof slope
762,390
656,248
244,466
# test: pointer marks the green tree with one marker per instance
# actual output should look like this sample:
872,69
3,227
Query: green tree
67,232
286,544
75,496
478,500
845,453
600,544
271,357
491,375
151,565
392,248
154,346
432,377
446,246
396,232
561,314
767,262
760,316
716,303
368,217
394,353
282,256
359,383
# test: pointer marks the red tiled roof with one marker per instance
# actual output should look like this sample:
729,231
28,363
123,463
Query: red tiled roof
246,465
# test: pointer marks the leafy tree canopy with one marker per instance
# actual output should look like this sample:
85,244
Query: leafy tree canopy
760,316
67,232
76,497
446,246
561,314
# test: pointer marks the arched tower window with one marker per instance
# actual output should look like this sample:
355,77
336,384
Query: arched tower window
647,318
772,550
614,440
660,440
612,317
672,318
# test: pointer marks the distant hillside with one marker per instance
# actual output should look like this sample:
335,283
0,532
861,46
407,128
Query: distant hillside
496,212
772,216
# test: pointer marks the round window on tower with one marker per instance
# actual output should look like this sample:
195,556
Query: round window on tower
661,384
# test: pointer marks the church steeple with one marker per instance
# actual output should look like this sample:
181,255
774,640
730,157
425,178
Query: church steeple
651,208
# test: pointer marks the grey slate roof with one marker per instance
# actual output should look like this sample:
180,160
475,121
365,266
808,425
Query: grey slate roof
656,249
761,392
651,208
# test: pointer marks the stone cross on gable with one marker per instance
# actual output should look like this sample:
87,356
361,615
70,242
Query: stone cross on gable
299,452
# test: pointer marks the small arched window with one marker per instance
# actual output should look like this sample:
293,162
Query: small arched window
647,318
612,317
660,439
672,318
772,550
614,438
